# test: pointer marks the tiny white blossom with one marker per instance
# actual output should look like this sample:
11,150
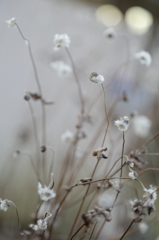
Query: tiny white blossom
67,136
143,227
46,193
4,204
144,58
94,77
61,40
150,196
133,175
122,124
41,223
110,33
11,22
34,227
142,126
61,68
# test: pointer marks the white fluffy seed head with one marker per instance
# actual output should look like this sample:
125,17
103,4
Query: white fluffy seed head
61,40
4,204
142,126
94,77
122,124
133,175
61,68
45,193
144,58
11,22
110,33
67,136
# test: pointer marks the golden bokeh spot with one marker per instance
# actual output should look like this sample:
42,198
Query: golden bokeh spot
138,19
109,15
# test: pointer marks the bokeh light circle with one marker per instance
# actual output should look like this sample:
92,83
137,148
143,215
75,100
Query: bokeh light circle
109,15
138,19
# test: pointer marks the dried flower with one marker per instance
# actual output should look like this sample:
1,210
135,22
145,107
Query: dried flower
67,136
85,180
143,227
137,206
61,40
94,215
61,68
136,159
41,223
34,227
94,77
99,153
122,124
5,204
46,193
150,197
144,58
11,22
110,33
142,126
133,175
129,162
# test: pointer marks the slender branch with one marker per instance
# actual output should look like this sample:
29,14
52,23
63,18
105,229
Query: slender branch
79,210
38,85
156,135
107,118
93,231
77,231
127,229
77,80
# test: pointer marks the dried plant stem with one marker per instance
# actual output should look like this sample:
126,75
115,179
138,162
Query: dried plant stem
127,229
122,154
39,89
149,141
52,160
93,231
77,80
35,133
77,231
107,118
81,205
100,229
16,214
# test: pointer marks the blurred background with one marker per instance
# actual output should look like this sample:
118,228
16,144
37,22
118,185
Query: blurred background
136,23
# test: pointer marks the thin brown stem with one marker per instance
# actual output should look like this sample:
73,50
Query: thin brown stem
107,118
81,205
77,80
77,231
127,229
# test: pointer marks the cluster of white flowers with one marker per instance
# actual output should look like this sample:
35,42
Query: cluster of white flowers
142,126
61,68
41,223
46,193
150,196
122,124
61,40
5,204
144,58
110,33
94,77
11,22
67,136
